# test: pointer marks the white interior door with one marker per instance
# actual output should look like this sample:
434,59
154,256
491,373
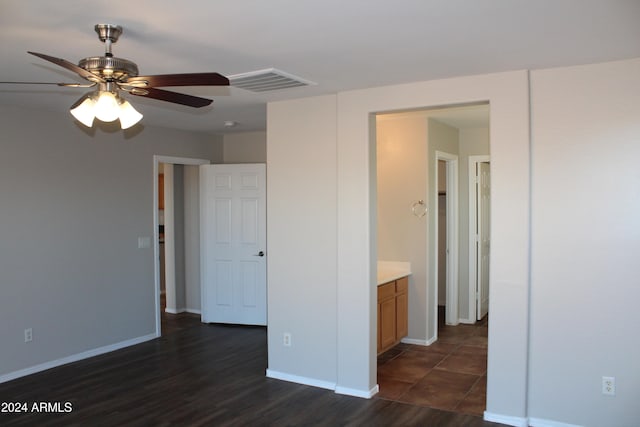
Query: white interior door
233,242
484,242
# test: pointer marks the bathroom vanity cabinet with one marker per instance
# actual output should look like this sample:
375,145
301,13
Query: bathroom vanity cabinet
392,313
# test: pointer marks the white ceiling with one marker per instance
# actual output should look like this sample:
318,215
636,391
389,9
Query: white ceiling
339,44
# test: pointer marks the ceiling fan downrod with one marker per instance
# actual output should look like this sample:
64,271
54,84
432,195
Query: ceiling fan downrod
108,34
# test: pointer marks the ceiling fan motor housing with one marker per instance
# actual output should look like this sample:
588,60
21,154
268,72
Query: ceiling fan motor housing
109,67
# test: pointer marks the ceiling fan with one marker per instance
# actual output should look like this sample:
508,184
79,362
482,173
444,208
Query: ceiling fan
112,76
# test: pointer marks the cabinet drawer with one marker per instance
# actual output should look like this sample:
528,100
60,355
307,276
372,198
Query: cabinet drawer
388,290
401,285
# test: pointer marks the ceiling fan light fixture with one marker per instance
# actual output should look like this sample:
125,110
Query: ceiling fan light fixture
129,116
106,107
84,112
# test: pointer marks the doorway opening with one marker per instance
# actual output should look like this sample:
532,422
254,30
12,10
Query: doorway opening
442,238
176,237
412,146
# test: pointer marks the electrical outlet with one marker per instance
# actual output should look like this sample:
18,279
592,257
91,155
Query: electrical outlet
28,335
286,339
609,386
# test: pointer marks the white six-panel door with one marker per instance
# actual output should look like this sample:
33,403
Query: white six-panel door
233,242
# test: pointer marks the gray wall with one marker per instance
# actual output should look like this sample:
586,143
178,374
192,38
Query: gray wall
301,239
245,147
74,203
585,243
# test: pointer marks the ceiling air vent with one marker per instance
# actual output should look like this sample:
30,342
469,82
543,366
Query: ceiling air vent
267,80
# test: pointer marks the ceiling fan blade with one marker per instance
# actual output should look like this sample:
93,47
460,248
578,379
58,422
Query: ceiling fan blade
50,83
192,79
69,66
175,97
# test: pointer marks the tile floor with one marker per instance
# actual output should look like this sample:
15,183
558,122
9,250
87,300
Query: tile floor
449,374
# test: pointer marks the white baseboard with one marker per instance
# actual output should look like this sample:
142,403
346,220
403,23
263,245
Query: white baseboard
413,341
75,357
524,422
181,310
367,394
467,321
539,422
506,419
300,380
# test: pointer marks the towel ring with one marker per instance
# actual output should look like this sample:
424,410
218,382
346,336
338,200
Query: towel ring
419,208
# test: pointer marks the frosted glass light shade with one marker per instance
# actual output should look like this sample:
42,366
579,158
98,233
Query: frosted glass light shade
106,108
84,112
129,116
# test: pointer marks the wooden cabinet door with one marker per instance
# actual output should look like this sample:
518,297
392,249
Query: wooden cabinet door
379,329
402,308
393,307
387,316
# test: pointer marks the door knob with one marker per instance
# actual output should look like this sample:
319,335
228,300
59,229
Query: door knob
261,253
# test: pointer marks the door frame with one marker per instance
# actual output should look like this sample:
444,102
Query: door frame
451,310
473,250
156,221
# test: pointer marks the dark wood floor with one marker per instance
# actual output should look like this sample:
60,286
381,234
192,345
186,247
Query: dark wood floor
197,375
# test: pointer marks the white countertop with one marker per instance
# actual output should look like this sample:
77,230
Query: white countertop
392,270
